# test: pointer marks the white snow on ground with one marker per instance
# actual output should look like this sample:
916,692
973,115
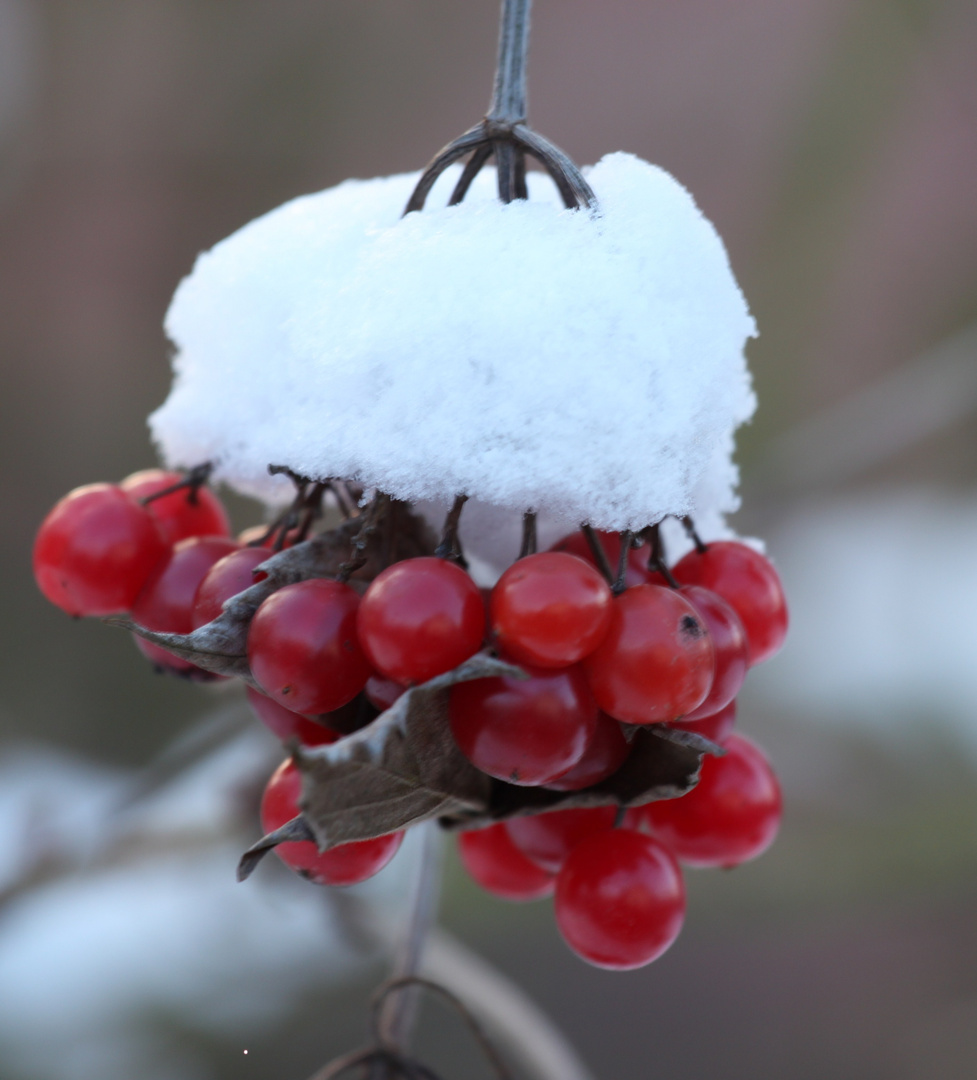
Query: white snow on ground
91,961
587,366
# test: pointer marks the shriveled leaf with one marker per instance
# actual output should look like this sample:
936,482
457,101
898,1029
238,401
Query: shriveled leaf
296,829
399,770
659,766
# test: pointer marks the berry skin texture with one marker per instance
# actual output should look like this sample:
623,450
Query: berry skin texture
495,863
732,653
715,727
730,816
620,899
525,731
550,609
303,648
547,839
178,515
286,724
656,662
166,600
420,618
226,578
748,582
603,755
345,864
95,550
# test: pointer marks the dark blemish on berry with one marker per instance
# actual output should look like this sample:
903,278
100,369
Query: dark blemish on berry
286,689
691,627
514,776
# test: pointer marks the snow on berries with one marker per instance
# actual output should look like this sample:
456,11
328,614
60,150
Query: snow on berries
425,402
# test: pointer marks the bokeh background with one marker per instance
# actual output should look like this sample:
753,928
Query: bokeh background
834,144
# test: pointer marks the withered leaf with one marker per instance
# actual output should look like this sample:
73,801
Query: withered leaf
401,769
296,829
659,766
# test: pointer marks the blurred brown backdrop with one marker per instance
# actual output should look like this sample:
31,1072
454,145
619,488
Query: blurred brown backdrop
833,143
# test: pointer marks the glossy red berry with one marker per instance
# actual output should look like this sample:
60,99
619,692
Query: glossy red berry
748,582
303,648
550,609
620,899
420,618
95,550
656,662
492,859
730,649
286,724
604,755
549,838
184,513
715,727
166,600
730,816
343,865
526,731
226,578
381,692
637,572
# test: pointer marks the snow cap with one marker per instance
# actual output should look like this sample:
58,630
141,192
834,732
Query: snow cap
586,366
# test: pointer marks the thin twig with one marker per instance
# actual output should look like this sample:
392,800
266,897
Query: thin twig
598,552
657,563
505,1009
450,546
509,92
689,527
362,539
528,534
192,482
620,582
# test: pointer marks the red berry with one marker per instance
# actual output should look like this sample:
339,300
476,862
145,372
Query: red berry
656,662
729,646
303,648
382,692
184,513
748,582
526,731
715,727
95,550
420,618
286,724
603,756
549,838
550,609
257,536
620,899
492,859
342,865
730,816
637,572
226,578
166,600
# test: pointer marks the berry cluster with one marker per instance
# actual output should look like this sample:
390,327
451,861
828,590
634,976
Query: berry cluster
601,654
673,647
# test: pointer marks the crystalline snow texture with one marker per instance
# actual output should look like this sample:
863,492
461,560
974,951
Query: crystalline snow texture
589,367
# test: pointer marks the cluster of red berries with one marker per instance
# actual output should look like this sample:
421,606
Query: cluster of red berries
661,646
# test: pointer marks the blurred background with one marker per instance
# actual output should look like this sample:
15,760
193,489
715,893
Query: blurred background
834,145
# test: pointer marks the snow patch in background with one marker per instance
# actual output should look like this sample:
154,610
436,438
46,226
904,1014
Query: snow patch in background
881,588
91,962
588,367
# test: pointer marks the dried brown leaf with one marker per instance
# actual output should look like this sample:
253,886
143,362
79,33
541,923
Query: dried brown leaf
401,769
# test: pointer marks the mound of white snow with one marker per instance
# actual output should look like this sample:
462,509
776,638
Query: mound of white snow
587,366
